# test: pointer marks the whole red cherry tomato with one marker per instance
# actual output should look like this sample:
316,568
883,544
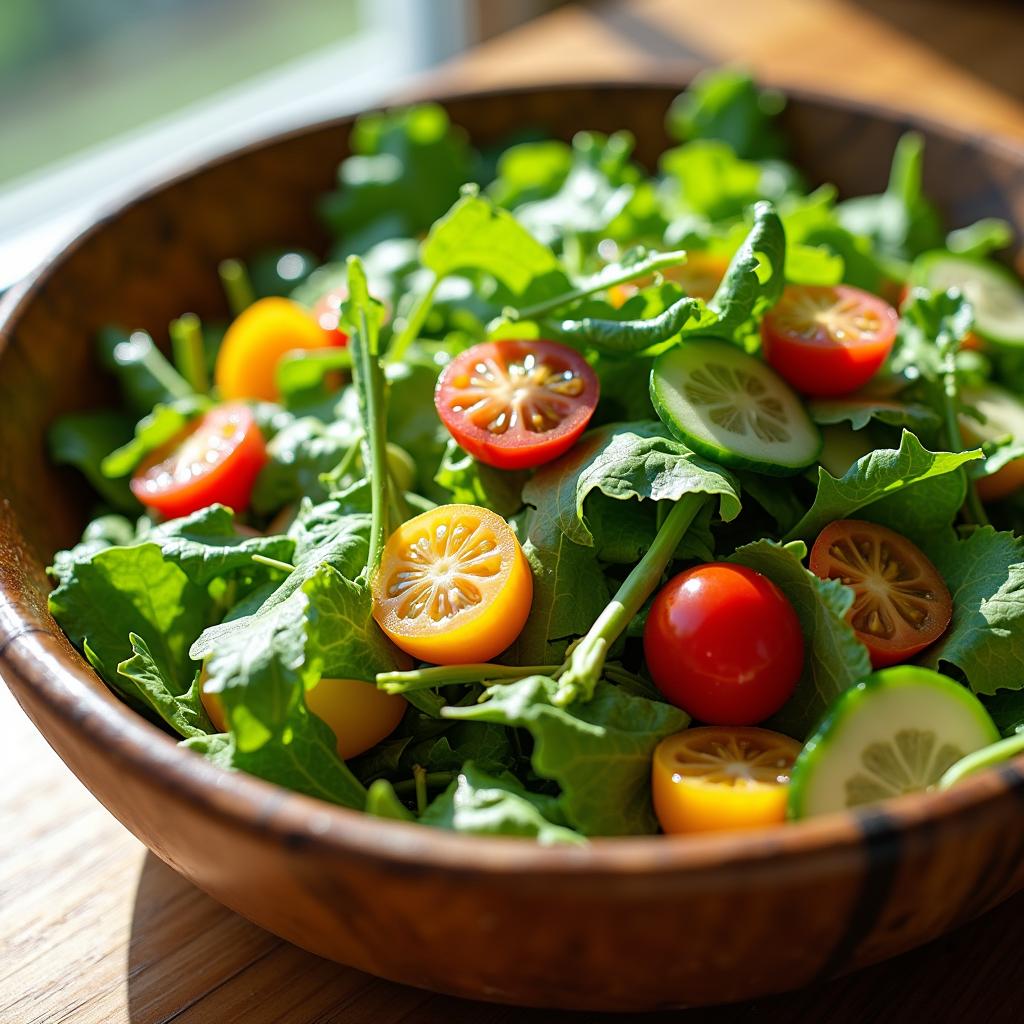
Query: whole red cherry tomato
723,643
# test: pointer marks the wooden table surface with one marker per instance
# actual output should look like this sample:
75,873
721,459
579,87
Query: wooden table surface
95,930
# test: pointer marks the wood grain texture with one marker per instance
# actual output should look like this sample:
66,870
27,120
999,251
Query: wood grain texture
138,943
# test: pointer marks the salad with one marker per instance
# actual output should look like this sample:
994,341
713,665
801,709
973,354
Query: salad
567,500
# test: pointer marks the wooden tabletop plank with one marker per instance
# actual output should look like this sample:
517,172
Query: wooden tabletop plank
94,930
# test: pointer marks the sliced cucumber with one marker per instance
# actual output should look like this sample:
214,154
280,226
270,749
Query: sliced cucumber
994,292
897,732
733,408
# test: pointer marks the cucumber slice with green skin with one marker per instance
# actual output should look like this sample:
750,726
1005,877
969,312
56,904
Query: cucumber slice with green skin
896,732
733,408
994,292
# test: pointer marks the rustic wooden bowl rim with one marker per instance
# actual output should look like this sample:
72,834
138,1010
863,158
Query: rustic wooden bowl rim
115,731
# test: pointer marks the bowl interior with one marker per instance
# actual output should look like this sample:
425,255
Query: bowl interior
156,257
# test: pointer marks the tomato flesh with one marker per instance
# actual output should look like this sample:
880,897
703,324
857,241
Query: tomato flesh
215,462
453,586
828,341
902,605
723,643
257,340
516,404
718,778
359,714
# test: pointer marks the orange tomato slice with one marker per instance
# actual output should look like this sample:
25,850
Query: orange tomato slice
359,714
454,586
699,277
255,342
721,778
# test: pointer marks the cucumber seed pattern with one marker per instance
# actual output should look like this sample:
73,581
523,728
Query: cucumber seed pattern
909,763
738,402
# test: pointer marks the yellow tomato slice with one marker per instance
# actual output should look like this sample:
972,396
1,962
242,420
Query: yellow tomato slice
359,714
454,586
255,342
721,778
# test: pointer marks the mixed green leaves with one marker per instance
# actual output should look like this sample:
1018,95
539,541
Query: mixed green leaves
576,242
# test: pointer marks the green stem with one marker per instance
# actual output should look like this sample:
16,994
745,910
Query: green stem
406,787
583,668
419,777
444,675
237,286
414,322
158,367
368,378
994,753
190,351
668,259
273,563
337,474
974,511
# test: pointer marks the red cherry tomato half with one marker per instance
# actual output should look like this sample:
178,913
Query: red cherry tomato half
828,341
723,643
902,604
217,460
327,314
516,404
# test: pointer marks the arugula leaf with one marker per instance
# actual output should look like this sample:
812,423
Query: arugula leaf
900,222
834,659
470,482
984,571
599,752
480,804
298,456
860,410
406,170
530,171
303,758
146,377
746,291
1007,710
149,683
382,802
569,589
103,532
151,432
207,544
876,476
121,591
342,634
413,423
630,460
475,235
980,238
727,105
83,440
593,193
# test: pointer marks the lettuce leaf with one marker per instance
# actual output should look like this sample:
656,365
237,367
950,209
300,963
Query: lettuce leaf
599,752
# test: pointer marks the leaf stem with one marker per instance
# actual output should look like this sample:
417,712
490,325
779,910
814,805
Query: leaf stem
237,287
419,777
974,511
273,563
994,753
584,665
406,787
190,352
368,378
599,284
414,322
445,675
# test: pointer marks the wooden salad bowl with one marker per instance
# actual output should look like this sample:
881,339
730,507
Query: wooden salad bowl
618,924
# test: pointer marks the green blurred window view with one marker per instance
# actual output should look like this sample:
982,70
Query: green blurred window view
75,73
